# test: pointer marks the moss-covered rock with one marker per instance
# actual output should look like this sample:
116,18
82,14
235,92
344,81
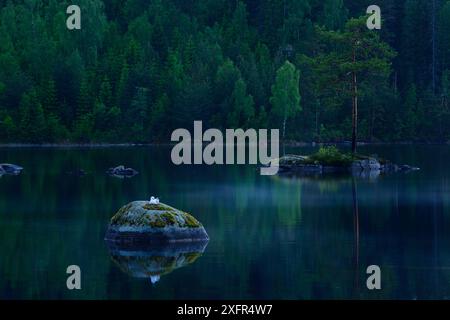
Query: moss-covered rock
142,221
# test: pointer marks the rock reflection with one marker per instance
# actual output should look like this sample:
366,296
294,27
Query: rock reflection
366,174
156,260
361,174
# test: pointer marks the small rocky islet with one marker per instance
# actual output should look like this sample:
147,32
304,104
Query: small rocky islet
329,160
147,222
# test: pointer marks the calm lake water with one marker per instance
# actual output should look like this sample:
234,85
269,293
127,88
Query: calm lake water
271,237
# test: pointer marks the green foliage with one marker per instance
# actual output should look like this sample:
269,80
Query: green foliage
32,124
54,129
331,156
243,107
334,14
285,93
140,69
7,128
83,129
350,64
410,112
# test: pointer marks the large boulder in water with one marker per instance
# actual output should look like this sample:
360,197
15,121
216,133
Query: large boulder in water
142,222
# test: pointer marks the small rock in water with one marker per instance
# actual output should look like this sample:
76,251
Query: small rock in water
122,172
12,169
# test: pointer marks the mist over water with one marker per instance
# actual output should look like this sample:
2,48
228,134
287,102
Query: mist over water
270,237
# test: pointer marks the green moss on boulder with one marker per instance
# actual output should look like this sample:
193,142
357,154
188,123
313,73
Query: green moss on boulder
141,219
156,207
141,213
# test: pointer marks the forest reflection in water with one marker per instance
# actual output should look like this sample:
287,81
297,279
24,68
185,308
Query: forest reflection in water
271,237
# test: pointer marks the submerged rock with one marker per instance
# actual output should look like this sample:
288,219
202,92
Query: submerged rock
122,172
160,259
142,222
7,168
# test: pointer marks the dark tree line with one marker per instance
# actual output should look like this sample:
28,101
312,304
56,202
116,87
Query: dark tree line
138,69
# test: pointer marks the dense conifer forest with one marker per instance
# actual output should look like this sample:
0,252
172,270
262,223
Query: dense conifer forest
138,69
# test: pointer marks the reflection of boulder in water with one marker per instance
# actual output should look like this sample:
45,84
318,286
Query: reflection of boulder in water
154,261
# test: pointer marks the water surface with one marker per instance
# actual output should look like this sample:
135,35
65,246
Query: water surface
271,237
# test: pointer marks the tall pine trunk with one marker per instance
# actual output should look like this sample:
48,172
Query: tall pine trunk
354,113
317,118
354,107
434,45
